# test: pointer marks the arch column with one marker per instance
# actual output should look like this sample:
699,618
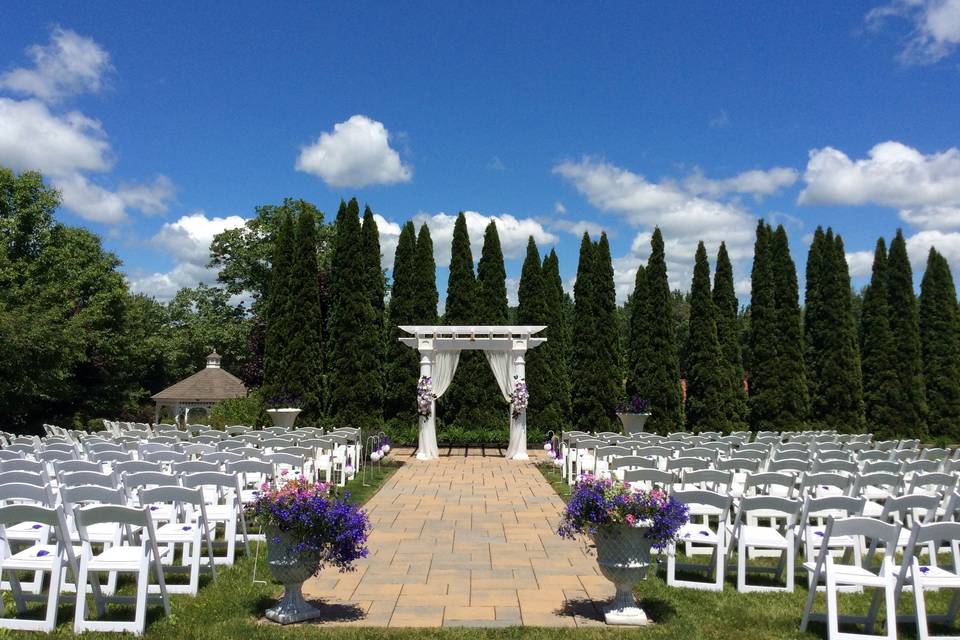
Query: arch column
427,442
517,448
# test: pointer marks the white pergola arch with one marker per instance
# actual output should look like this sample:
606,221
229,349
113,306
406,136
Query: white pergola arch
440,347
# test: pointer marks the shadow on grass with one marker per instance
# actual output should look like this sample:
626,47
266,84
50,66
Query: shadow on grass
658,610
331,612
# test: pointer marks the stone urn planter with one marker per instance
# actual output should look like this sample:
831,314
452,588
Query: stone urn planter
283,417
623,555
291,569
633,422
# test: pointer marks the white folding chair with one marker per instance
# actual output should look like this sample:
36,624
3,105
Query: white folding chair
702,534
137,558
41,558
856,575
224,509
931,576
189,529
812,526
750,536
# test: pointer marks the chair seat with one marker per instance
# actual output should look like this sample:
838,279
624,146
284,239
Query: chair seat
872,510
692,532
704,510
875,493
27,531
816,533
757,536
119,558
934,577
220,512
39,556
174,532
851,575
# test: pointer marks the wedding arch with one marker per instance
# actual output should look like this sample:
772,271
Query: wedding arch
504,347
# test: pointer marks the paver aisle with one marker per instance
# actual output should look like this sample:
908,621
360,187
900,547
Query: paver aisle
465,541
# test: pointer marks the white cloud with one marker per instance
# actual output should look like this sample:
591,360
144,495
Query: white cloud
514,233
356,153
559,208
756,182
577,228
935,29
69,65
860,263
93,202
942,217
892,175
389,237
31,137
187,242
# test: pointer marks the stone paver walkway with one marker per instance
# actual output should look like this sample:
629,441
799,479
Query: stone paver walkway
467,540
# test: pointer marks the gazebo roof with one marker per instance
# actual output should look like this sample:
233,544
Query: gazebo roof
210,384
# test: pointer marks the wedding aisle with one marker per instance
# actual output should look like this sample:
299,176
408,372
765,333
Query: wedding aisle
466,540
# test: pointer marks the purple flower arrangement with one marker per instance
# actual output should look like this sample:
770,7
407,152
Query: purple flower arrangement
633,404
283,401
425,396
317,520
597,502
520,397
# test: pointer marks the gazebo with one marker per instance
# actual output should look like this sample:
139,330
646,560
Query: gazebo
202,390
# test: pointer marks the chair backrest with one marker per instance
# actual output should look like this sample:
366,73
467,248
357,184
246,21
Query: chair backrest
835,465
229,445
920,466
942,483
693,464
815,483
222,457
288,459
654,476
305,452
33,466
761,482
825,455
934,453
708,479
236,430
24,477
73,497
194,466
210,479
56,455
111,456
714,499
654,452
70,466
907,509
192,496
878,532
873,455
788,464
789,508
881,466
136,466
167,455
6,454
111,513
80,478
831,506
739,463
704,452
199,450
277,443
627,462
611,451
25,492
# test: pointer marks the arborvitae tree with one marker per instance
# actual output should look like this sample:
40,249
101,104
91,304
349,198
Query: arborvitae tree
280,297
794,401
728,336
355,394
555,412
705,375
607,330
881,383
846,383
402,366
940,336
304,371
532,310
461,305
585,404
491,280
425,295
764,401
637,355
661,387
815,322
905,326
375,283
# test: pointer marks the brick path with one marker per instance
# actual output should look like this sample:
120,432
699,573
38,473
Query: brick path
467,540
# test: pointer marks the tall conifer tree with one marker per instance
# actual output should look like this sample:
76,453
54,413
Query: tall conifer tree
607,367
587,412
637,355
425,297
794,400
532,310
764,401
905,326
402,366
375,284
940,337
280,297
705,375
728,336
555,414
881,383
661,386
355,341
491,280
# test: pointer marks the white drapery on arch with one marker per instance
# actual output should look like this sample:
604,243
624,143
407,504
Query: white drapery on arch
440,348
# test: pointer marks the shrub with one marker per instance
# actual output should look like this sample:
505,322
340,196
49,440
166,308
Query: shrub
245,411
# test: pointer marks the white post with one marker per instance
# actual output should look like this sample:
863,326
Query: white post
427,444
517,449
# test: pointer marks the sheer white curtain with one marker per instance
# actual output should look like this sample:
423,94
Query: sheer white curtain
501,362
443,367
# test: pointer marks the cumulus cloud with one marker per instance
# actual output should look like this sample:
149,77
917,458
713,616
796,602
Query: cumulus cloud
69,146
860,263
756,182
389,237
935,27
186,240
514,233
356,153
69,65
579,227
684,218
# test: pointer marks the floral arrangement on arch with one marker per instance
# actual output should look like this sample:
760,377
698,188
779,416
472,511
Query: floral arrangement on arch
520,397
597,502
318,521
425,396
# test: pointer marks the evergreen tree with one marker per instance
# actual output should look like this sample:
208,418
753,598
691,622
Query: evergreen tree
279,298
532,310
402,366
940,337
734,400
304,370
793,397
846,381
764,402
881,383
376,286
905,326
461,305
638,356
661,387
587,413
491,280
555,413
354,339
705,375
815,321
607,330
425,296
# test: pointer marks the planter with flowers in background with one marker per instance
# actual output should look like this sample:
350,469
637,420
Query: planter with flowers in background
625,524
307,527
283,410
633,413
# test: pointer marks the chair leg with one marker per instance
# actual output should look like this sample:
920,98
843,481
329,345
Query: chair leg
811,594
833,615
80,611
741,565
143,584
53,597
891,602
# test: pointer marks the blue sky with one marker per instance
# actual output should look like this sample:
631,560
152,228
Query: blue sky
164,123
